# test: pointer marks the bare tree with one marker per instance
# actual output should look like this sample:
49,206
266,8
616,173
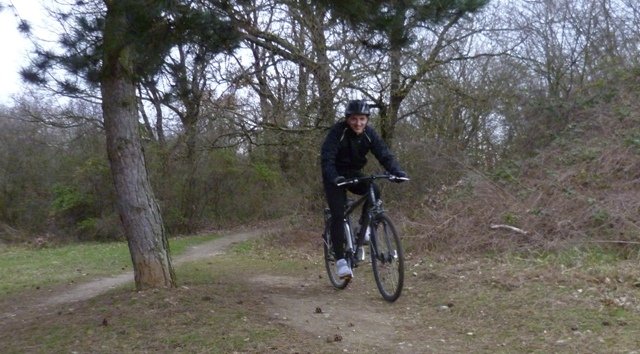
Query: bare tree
389,29
307,49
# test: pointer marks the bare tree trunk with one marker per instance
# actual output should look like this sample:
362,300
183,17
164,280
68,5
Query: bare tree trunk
395,34
191,194
138,209
155,97
191,84
388,121
322,72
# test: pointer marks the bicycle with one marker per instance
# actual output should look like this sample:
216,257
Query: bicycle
385,249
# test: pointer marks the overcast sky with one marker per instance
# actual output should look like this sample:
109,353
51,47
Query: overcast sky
14,45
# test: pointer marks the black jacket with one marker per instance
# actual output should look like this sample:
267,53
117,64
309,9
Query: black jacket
344,153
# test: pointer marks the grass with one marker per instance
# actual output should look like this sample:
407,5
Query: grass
209,312
577,300
28,268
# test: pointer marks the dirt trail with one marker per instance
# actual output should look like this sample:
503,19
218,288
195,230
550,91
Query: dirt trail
357,317
85,291
354,319
96,287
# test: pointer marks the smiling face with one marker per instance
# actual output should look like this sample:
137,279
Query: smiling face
357,122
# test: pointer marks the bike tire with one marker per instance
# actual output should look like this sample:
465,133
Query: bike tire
330,260
387,258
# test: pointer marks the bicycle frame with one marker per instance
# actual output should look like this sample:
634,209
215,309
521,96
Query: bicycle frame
354,242
375,208
386,259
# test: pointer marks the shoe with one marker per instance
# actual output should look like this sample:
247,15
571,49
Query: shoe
343,269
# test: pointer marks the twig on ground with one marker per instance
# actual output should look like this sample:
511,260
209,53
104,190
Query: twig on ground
508,227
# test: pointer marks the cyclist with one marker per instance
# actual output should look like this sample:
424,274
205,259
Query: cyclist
343,156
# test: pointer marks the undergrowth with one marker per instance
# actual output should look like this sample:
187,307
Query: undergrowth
583,188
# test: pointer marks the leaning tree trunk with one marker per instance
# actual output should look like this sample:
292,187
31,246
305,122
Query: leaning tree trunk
138,209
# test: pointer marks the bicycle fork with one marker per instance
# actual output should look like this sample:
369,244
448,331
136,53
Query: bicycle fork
392,254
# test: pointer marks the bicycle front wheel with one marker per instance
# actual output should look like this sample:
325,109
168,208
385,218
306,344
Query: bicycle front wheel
330,260
387,258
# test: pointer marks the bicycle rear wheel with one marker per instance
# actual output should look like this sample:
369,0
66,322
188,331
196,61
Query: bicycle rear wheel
387,258
330,260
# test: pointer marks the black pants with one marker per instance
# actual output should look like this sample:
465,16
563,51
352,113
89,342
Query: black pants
337,198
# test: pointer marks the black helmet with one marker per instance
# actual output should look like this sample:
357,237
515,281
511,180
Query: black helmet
357,107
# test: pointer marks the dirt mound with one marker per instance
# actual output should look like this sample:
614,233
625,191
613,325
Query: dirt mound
581,188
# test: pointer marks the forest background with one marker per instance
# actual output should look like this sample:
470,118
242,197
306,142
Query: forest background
509,113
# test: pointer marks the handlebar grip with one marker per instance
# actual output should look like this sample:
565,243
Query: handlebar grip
372,177
349,181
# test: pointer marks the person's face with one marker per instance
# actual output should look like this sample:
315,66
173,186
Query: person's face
357,122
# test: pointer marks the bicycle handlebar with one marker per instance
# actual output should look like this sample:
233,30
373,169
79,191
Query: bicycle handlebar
357,180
